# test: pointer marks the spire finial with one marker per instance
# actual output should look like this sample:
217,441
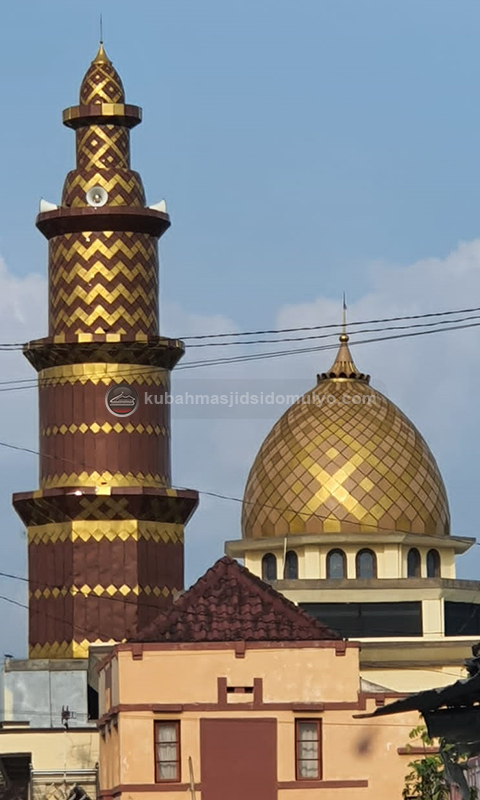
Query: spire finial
101,57
344,365
344,336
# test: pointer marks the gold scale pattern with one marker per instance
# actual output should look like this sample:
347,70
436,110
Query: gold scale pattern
104,373
103,281
330,467
111,530
158,430
100,591
64,649
106,478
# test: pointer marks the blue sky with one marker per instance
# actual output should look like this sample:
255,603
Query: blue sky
304,148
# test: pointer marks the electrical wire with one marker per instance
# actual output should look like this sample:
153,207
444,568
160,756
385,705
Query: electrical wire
233,334
32,383
216,495
332,325
335,334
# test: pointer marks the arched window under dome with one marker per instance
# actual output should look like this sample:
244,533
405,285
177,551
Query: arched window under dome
291,566
269,567
366,564
413,563
433,564
336,564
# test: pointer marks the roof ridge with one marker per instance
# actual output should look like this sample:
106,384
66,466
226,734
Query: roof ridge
198,615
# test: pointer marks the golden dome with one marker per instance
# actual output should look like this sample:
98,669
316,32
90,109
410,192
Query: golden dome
344,459
102,83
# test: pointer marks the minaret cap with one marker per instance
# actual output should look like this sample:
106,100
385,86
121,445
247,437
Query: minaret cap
102,83
101,57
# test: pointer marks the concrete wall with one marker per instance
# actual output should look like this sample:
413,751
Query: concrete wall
36,690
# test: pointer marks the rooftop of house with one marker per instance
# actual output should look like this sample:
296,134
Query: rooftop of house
228,604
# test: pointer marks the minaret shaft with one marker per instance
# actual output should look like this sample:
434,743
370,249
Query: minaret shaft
105,528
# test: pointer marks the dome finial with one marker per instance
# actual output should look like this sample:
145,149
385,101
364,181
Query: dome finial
344,365
344,336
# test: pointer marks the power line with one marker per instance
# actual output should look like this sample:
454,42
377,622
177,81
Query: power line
329,335
216,495
32,383
261,332
299,351
331,325
383,633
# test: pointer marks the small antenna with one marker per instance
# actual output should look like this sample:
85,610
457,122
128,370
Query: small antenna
344,315
101,28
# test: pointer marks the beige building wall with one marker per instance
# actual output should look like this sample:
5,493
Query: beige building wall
312,557
361,758
58,757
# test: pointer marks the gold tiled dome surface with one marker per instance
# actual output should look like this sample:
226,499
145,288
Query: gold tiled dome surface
329,467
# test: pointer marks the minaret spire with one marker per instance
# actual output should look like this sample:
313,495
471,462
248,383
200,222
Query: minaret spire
105,528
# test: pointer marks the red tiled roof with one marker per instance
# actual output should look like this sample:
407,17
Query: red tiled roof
230,604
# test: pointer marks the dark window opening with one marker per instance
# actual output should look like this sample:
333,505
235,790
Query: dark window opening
433,564
336,564
92,703
366,564
291,565
354,620
269,567
462,619
413,563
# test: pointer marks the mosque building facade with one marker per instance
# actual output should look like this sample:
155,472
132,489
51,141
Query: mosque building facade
346,513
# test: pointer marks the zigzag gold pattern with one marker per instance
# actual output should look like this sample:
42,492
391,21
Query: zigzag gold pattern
100,591
124,187
103,281
96,530
103,317
106,374
80,273
65,649
109,245
158,430
103,478
101,292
